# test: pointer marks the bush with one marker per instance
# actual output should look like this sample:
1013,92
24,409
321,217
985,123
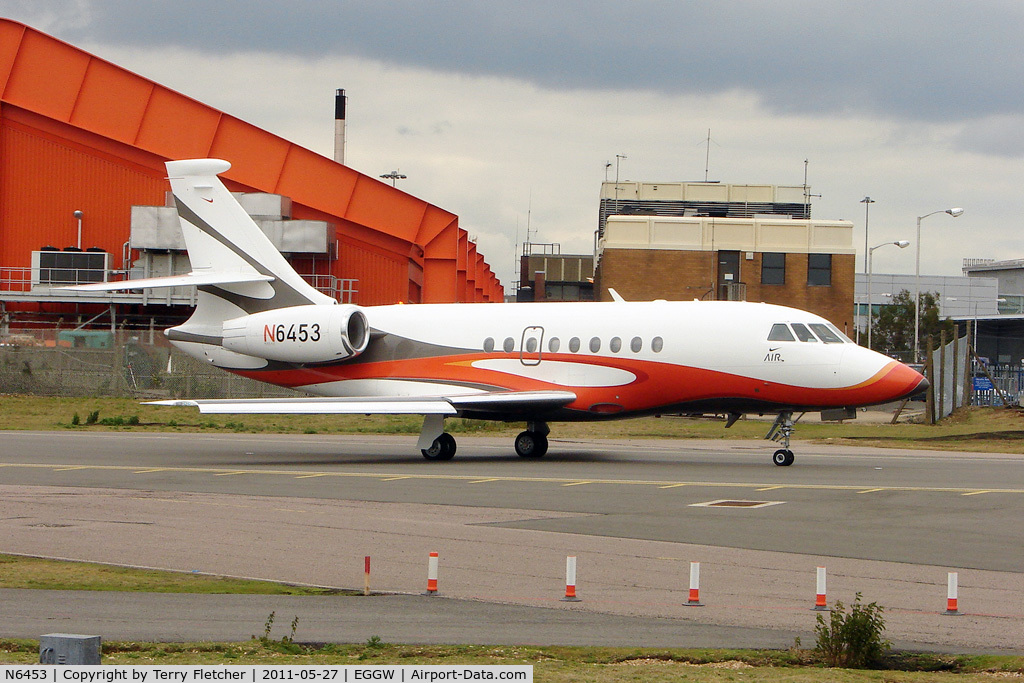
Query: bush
852,640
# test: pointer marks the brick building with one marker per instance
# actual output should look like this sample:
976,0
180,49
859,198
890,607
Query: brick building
803,263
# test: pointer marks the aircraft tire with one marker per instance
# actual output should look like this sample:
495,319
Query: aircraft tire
443,448
531,445
783,457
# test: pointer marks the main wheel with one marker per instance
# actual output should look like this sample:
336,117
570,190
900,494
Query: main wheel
783,457
443,448
531,445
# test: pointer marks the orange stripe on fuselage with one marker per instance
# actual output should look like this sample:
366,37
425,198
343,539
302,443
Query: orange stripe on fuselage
656,384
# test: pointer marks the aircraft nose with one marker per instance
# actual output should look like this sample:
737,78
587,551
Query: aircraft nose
906,382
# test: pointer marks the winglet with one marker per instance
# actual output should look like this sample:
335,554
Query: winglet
615,295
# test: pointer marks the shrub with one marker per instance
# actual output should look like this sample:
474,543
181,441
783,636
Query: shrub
852,640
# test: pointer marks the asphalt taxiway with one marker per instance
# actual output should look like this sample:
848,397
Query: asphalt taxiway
886,523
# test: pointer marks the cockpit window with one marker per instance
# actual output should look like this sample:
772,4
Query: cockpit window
780,332
827,335
841,335
803,334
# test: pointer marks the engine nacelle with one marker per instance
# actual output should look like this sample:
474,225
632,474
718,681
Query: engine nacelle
300,334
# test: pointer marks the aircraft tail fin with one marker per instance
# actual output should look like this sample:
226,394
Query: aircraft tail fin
223,241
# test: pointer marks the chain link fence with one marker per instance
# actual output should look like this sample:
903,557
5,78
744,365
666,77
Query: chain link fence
122,364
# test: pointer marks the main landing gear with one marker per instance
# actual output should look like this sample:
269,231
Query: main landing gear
442,448
781,430
533,443
437,444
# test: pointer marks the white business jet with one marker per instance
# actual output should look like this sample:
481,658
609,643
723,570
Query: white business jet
536,363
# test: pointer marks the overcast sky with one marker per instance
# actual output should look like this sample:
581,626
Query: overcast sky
505,113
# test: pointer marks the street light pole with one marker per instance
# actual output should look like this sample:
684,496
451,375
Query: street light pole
867,202
954,212
902,244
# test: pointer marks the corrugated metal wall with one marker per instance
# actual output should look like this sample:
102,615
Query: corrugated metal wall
43,180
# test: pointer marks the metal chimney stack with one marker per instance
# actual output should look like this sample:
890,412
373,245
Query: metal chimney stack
339,125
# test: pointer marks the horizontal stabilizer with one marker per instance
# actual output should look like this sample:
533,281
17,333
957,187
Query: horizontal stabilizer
190,280
494,402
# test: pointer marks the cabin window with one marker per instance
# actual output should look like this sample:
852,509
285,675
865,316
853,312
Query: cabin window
488,344
826,335
531,345
509,344
803,334
554,344
595,344
615,345
780,332
574,344
636,345
657,344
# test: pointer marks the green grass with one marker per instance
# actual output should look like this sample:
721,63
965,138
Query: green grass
556,664
18,571
973,429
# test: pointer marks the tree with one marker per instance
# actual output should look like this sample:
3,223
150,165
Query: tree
892,327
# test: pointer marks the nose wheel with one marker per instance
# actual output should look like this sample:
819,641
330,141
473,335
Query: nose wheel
781,431
783,457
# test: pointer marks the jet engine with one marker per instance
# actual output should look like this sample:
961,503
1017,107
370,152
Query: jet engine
300,334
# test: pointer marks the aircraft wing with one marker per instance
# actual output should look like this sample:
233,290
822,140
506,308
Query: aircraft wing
491,402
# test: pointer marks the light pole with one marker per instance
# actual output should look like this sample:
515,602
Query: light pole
867,202
78,216
954,212
902,244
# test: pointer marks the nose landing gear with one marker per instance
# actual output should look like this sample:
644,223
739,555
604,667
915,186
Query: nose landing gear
781,430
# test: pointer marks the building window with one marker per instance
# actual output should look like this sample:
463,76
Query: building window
773,269
819,269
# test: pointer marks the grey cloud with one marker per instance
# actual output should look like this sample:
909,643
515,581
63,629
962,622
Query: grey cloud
919,60
1001,136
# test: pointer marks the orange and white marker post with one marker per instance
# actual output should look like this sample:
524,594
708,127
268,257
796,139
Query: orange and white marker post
694,599
570,579
952,580
366,575
432,575
820,602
